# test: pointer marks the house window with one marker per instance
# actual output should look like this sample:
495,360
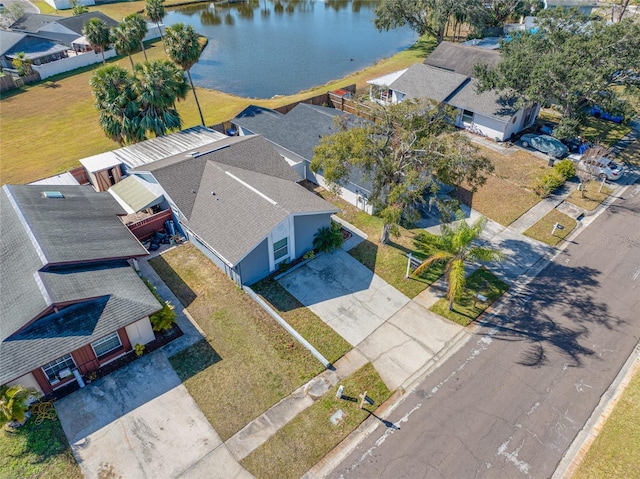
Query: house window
104,346
59,368
280,249
467,116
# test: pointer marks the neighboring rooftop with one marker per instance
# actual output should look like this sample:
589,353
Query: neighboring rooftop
35,22
461,59
424,81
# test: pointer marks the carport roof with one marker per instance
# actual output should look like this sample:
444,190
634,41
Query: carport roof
135,194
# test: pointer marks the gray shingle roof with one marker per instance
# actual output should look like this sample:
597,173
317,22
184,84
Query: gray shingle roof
461,58
424,81
32,22
235,206
488,103
110,297
76,22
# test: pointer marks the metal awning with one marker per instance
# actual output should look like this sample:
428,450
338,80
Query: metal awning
388,79
135,194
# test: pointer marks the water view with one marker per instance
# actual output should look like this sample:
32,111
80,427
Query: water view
263,48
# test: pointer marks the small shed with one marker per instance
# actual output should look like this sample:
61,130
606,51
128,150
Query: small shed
104,170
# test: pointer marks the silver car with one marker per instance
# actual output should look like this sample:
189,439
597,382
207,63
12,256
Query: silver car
602,168
546,144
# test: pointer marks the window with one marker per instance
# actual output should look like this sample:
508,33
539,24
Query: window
467,116
280,249
104,346
54,368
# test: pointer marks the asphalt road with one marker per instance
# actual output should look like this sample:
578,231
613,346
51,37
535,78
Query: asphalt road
511,401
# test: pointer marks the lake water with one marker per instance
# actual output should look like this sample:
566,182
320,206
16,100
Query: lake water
260,49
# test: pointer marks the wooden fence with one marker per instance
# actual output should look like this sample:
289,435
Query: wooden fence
8,82
145,228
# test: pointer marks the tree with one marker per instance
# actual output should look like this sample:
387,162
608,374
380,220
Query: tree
456,248
97,34
137,28
400,155
23,64
155,12
327,238
159,84
570,61
79,9
183,47
422,16
123,41
14,403
116,102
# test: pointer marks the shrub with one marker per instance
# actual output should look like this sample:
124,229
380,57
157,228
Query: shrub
283,266
549,182
139,349
566,168
164,318
327,239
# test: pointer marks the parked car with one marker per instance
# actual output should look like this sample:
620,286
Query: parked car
602,168
600,113
547,129
546,144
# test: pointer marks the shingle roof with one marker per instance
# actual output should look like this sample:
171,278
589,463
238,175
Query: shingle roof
76,22
244,198
488,103
424,81
461,58
32,22
110,297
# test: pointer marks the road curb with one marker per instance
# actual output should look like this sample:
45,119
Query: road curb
576,453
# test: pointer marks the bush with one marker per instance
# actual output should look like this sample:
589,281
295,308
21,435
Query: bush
566,168
549,182
327,239
164,318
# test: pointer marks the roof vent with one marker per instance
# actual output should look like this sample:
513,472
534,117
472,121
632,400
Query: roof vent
52,194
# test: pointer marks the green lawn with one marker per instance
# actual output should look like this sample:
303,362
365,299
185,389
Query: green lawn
468,308
247,362
37,451
616,449
309,437
542,229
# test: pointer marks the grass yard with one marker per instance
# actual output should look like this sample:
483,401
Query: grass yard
616,449
499,200
593,129
631,154
58,121
37,451
592,196
517,166
299,445
329,343
542,229
247,362
387,261
467,309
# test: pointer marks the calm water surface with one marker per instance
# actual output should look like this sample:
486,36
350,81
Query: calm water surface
265,48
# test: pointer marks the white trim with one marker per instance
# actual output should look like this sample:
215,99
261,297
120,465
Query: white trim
105,337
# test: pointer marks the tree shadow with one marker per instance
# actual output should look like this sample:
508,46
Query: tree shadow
554,311
194,359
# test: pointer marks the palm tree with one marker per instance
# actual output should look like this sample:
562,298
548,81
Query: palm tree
14,403
184,49
159,84
123,41
97,34
327,238
116,102
23,64
155,12
137,29
456,248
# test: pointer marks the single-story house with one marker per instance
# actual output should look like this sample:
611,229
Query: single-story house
294,135
446,77
240,203
71,302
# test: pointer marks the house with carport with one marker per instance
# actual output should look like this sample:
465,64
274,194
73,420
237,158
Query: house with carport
295,134
446,76
71,300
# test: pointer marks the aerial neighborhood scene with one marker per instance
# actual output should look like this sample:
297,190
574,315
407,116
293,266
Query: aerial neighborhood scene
307,239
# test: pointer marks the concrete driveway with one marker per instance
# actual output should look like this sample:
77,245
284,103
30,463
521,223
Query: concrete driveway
140,422
398,335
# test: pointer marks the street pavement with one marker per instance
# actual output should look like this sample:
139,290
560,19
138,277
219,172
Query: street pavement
511,401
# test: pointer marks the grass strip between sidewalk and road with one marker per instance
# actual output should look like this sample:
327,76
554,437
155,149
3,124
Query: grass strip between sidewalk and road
541,231
468,307
37,450
246,353
616,450
310,436
592,196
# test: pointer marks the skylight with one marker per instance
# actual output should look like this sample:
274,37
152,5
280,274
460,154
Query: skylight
52,194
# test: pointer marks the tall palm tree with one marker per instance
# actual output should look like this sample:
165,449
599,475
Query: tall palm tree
14,403
97,34
456,248
123,41
184,50
137,29
159,84
116,102
155,12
